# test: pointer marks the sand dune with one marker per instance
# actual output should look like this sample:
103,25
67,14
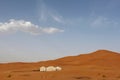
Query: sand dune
98,65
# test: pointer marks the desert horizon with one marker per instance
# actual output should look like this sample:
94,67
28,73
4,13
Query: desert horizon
58,57
97,65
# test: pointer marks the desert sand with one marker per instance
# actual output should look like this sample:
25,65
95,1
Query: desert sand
98,65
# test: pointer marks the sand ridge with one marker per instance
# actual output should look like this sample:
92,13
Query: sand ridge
98,65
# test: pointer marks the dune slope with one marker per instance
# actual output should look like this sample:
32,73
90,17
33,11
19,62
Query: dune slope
98,65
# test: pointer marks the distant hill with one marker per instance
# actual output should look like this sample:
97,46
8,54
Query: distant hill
98,58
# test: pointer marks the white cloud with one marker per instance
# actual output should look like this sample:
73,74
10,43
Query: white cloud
26,26
52,30
57,18
43,12
103,22
48,14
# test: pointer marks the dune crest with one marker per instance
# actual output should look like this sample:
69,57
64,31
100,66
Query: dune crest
98,65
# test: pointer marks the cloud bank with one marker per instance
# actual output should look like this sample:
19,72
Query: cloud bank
13,26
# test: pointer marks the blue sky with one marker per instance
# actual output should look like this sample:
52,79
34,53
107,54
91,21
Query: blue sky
35,30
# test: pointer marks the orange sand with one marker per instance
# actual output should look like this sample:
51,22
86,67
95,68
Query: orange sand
99,65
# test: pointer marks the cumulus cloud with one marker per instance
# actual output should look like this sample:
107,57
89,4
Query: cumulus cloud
26,26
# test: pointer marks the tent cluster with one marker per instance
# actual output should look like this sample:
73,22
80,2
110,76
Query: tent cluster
50,68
